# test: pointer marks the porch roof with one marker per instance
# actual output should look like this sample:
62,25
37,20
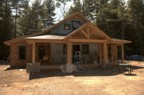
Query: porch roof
46,37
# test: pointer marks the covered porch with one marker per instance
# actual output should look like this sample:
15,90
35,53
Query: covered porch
107,52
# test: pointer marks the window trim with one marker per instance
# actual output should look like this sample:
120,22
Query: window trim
39,51
68,26
22,52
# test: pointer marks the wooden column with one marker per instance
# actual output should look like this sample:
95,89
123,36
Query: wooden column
122,51
112,54
100,53
33,52
105,51
69,53
116,51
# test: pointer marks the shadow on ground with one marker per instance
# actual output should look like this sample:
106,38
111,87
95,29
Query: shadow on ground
87,72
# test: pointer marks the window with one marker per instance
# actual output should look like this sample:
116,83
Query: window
85,49
41,52
67,26
22,52
76,24
64,49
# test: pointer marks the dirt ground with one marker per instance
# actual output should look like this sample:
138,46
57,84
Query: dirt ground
87,82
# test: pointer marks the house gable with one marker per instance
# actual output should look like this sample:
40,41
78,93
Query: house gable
88,31
67,27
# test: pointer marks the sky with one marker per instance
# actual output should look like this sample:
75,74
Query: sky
59,11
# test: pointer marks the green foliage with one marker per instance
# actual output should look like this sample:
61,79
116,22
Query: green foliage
5,27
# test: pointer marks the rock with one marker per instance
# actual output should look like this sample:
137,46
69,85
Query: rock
6,85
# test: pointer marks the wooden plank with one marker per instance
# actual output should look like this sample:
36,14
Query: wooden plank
116,51
112,55
84,33
33,52
69,53
46,41
87,41
100,53
122,48
105,53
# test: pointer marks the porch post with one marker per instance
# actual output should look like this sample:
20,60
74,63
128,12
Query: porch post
122,48
69,53
100,53
116,50
105,53
112,53
33,52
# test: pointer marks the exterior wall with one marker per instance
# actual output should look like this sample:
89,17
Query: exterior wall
47,52
60,29
14,54
92,56
57,56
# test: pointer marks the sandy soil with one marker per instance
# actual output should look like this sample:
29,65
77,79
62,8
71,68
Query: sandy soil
89,82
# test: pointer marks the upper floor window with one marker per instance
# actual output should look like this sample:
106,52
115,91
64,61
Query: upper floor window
67,26
22,52
76,24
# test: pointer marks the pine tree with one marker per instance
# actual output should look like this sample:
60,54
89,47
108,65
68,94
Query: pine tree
5,27
48,17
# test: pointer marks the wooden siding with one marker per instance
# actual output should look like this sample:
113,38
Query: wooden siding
14,54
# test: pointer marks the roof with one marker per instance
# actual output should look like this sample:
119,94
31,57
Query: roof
95,31
46,37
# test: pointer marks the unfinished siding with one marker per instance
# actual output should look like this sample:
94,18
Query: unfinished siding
57,55
14,54
47,53
60,29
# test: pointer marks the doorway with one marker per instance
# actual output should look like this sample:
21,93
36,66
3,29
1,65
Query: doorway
75,49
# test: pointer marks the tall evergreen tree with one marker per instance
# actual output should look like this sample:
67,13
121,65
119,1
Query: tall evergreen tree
5,26
49,15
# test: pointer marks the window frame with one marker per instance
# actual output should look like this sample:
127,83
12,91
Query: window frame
68,26
41,51
22,52
64,49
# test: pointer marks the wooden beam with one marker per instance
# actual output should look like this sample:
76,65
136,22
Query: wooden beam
116,51
84,33
87,41
33,52
122,48
100,53
69,53
112,55
46,41
105,53
88,31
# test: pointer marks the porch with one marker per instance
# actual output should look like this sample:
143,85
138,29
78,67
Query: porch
107,54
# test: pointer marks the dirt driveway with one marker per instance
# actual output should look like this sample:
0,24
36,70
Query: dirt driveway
89,82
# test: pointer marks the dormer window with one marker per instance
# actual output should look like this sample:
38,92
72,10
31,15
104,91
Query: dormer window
75,24
67,26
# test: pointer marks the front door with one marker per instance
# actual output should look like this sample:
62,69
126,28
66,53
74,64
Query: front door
76,48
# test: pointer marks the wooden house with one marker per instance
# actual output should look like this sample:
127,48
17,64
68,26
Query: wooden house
58,45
